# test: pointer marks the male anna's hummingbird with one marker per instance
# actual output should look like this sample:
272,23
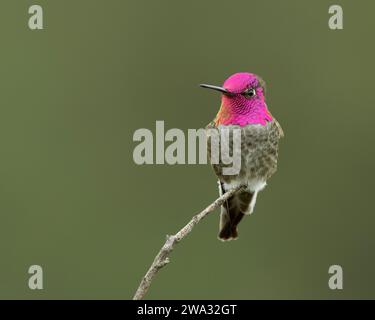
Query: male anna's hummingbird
243,107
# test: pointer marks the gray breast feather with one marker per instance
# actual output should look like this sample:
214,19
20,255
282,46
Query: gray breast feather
259,150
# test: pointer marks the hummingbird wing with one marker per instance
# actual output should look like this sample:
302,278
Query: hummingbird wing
277,127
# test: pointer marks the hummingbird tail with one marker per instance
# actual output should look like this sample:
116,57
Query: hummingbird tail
228,229
232,213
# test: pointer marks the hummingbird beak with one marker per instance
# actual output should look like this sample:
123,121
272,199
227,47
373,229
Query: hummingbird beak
221,89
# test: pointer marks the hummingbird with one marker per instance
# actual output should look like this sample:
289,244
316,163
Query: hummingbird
243,107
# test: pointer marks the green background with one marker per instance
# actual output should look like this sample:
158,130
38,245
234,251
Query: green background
74,202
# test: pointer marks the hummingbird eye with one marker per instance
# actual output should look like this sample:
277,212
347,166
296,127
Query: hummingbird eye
249,93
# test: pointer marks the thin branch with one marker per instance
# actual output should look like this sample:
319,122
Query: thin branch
162,258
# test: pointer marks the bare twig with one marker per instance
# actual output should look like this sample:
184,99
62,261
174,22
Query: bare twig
162,257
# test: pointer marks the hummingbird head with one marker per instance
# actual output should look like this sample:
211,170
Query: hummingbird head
243,100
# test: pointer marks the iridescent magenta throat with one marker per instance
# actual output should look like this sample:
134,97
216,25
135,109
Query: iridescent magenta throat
241,111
